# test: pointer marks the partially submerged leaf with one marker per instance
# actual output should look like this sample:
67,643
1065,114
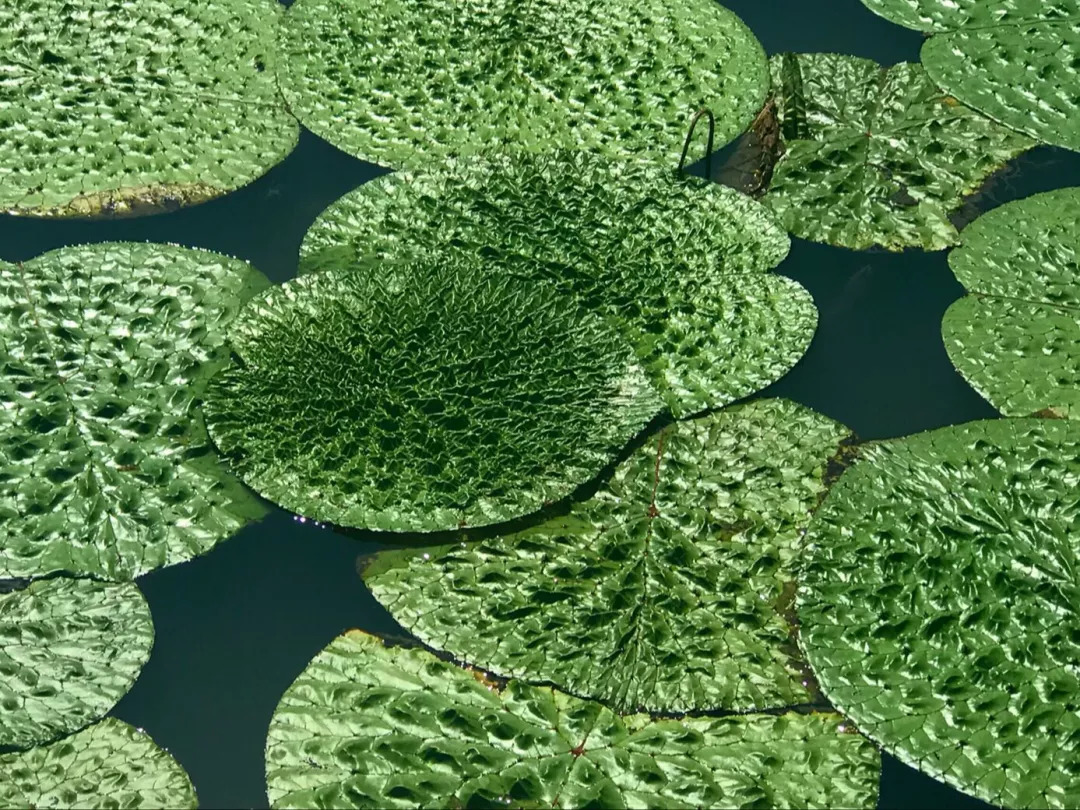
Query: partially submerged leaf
369,726
876,156
677,263
107,469
416,396
106,766
666,591
407,83
938,605
1016,336
120,108
71,649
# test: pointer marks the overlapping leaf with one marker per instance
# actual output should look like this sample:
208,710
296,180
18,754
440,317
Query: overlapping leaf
666,591
938,606
113,107
876,156
106,467
370,726
424,395
105,766
1016,336
676,262
406,83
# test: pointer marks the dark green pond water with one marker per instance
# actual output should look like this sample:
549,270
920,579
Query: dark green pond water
236,627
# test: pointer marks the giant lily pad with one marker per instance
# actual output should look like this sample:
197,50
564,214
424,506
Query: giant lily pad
369,726
71,649
106,467
113,107
876,156
666,591
105,766
938,606
408,82
1016,337
424,395
1017,61
676,262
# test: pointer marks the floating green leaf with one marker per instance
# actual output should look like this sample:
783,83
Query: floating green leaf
1017,61
106,766
938,606
369,726
120,108
424,395
1016,337
666,591
676,262
71,649
106,468
876,156
404,83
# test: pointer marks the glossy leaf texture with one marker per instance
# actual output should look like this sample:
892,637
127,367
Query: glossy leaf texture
370,726
1017,61
937,606
416,396
406,83
667,591
106,467
120,108
71,649
876,156
1016,336
105,766
677,263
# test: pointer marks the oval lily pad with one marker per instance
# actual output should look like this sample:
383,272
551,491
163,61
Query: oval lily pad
677,263
423,396
409,82
666,591
119,108
1016,336
71,649
876,156
1017,61
370,726
938,605
106,467
105,766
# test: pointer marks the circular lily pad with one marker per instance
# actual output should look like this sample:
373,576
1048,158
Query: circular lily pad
666,591
408,82
1016,336
422,396
105,766
876,156
71,649
120,108
677,263
938,605
106,468
370,726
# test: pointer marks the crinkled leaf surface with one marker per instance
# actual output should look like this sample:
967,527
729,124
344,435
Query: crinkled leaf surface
666,591
106,468
876,156
676,262
938,606
71,649
106,766
415,396
114,107
369,726
404,83
1016,337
